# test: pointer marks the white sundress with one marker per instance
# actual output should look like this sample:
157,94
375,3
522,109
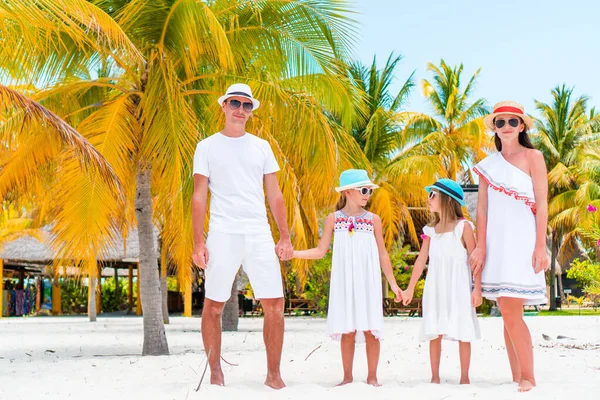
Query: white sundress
355,293
511,233
447,305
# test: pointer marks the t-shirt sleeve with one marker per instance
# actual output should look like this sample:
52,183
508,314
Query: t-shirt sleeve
270,160
201,160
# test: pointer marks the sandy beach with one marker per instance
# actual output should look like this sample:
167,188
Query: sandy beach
68,357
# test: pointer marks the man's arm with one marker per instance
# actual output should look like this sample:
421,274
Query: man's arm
275,199
199,200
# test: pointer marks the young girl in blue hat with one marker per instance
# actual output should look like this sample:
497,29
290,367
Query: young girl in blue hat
448,302
355,312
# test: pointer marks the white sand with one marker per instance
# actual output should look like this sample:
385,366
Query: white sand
100,361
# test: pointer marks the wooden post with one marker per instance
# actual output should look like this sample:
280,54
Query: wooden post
38,294
56,298
1,288
99,291
130,283
138,305
187,299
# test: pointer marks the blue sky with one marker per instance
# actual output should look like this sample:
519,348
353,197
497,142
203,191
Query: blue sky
524,48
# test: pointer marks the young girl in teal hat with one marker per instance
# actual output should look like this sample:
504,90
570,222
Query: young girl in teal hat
448,302
355,312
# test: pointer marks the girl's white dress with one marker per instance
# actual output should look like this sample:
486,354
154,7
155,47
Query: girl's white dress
355,294
511,233
447,305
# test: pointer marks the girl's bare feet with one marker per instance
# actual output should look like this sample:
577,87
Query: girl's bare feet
346,381
217,378
526,386
373,382
435,379
274,382
465,381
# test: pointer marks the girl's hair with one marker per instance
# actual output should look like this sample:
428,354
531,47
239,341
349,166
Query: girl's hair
450,211
523,138
341,202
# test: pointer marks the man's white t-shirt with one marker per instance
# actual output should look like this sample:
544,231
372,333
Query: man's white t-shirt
235,168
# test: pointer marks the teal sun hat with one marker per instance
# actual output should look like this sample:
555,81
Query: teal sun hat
354,178
449,187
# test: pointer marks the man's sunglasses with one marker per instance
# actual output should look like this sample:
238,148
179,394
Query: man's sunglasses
514,122
365,191
235,104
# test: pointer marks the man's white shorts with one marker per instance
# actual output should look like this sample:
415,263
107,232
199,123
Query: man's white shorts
255,253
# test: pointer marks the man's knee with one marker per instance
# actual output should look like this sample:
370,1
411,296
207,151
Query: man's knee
212,308
273,306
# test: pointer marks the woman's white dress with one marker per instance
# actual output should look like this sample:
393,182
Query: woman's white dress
511,233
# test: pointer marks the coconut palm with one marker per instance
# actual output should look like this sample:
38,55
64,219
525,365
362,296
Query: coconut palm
565,134
454,132
140,78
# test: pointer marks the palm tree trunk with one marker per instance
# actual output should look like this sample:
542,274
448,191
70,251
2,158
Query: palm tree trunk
92,299
231,312
165,304
553,271
155,340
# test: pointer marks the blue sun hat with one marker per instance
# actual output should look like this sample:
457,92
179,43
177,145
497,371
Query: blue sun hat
354,178
449,187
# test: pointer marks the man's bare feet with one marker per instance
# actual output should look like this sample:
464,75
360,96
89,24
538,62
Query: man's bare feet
217,378
435,379
346,381
526,386
274,382
373,382
465,381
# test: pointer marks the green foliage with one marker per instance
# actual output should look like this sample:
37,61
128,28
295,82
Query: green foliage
317,284
111,300
586,273
74,296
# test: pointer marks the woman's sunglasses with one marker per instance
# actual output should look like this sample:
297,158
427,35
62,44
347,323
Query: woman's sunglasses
431,195
365,191
514,122
235,104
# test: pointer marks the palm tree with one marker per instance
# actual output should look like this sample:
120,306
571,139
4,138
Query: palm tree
454,132
376,130
141,82
565,135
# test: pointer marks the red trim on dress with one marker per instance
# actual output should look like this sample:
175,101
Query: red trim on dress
513,193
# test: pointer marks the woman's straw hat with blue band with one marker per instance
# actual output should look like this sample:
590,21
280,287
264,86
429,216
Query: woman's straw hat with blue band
449,187
354,178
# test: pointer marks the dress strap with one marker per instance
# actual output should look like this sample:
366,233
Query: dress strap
460,227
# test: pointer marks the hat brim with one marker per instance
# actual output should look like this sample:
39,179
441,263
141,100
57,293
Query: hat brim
488,121
255,102
439,189
357,185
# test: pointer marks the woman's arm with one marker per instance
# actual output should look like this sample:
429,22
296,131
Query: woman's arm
324,242
477,257
539,175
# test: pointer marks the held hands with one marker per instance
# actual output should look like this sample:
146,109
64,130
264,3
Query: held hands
476,260
540,260
284,249
398,292
407,295
200,255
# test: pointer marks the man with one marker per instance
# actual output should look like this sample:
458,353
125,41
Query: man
234,165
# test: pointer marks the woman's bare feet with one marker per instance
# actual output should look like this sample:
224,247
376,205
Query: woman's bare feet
274,382
526,386
346,381
217,378
435,379
465,381
373,381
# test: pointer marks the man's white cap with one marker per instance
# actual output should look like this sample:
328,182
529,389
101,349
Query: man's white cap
239,89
